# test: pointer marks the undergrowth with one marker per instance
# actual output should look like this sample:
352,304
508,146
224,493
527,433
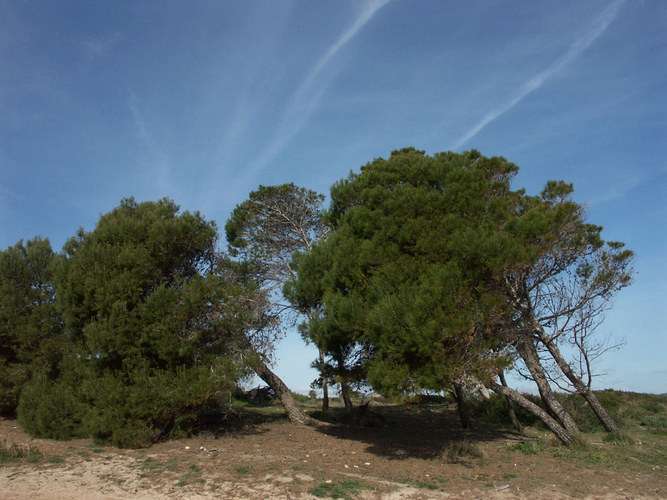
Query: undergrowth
13,453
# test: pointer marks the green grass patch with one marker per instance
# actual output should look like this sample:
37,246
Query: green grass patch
242,470
618,437
336,489
527,447
426,485
56,459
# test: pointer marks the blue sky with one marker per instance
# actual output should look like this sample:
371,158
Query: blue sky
203,101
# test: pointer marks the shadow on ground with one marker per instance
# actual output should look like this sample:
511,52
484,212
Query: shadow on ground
417,433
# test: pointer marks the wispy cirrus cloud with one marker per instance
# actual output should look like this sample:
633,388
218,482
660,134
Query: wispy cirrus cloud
576,49
305,99
99,46
160,165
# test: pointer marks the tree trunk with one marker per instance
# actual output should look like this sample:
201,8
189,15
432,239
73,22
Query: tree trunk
461,406
528,352
345,393
510,405
294,411
325,386
578,384
558,429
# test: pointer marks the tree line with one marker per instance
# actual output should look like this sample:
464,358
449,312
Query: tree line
424,274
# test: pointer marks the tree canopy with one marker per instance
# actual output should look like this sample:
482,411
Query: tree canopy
426,273
436,267
263,234
30,325
155,329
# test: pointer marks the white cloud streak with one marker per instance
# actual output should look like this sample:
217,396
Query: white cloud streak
161,166
305,98
576,49
100,46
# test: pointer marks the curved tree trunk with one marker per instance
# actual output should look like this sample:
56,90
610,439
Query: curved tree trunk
461,406
294,412
510,405
578,384
325,386
345,393
528,352
554,426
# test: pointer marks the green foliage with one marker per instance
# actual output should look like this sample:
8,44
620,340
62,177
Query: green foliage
584,416
618,437
527,447
275,222
30,326
636,409
264,233
402,277
495,409
301,398
155,328
436,270
52,409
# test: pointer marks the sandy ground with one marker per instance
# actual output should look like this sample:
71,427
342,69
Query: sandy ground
405,458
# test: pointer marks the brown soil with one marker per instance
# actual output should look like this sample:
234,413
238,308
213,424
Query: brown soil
407,455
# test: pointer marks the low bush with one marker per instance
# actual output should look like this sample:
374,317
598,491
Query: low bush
52,410
10,453
456,451
495,409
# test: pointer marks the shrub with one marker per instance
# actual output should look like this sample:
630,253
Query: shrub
53,410
496,409
527,447
456,451
131,412
17,453
141,302
300,398
618,437
582,414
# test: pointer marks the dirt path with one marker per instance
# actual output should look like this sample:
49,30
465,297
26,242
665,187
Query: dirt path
404,459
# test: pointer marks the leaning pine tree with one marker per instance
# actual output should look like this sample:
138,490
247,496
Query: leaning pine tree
263,234
563,279
435,266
